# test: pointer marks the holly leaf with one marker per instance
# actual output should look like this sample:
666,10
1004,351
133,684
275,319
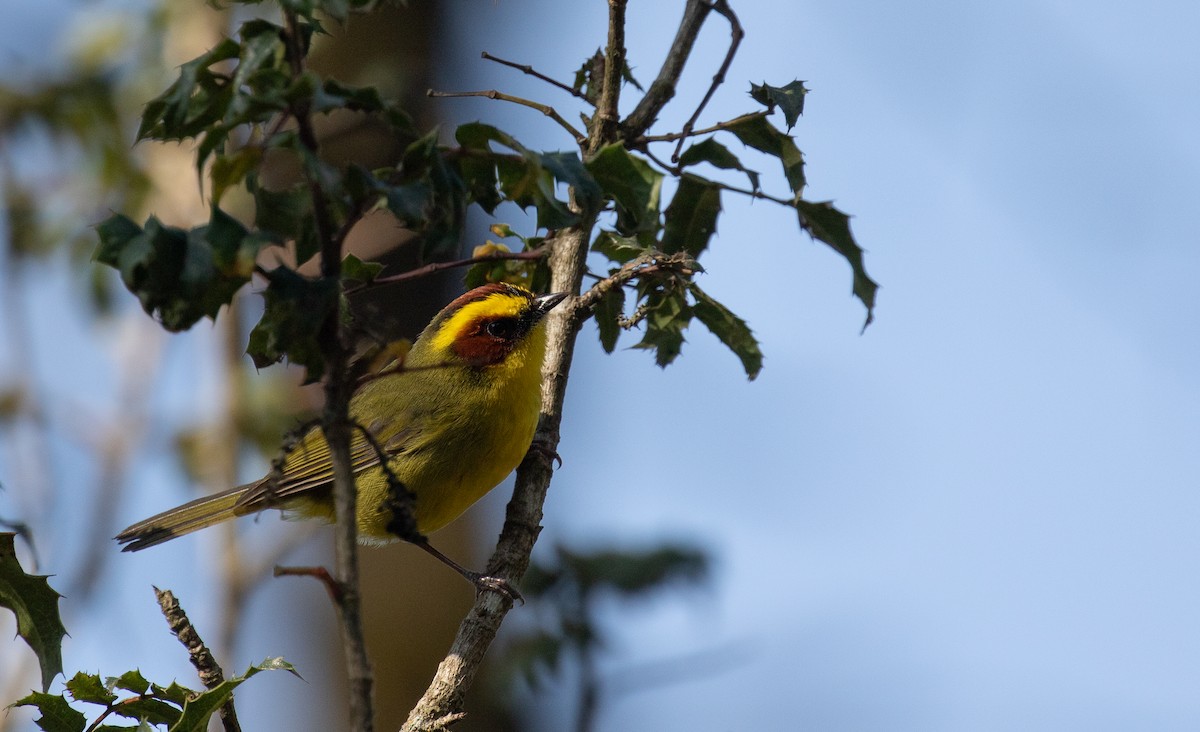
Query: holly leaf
129,681
57,714
789,98
296,308
666,316
714,153
691,219
35,605
355,269
180,276
198,710
730,329
756,131
608,314
827,224
620,249
89,688
631,183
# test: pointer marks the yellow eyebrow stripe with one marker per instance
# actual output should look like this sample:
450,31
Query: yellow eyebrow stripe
499,305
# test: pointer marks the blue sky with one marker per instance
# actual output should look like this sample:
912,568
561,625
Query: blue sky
980,514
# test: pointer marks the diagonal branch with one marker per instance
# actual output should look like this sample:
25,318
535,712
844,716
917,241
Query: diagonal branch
543,108
736,34
527,69
663,88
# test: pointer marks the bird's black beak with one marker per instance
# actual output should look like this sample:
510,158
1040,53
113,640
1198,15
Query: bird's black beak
546,303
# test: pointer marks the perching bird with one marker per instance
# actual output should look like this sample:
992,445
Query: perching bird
454,421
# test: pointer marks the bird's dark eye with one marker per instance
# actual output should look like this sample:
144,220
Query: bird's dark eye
504,328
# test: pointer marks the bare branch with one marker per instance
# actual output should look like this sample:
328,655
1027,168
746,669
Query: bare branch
672,136
527,69
207,667
663,88
736,35
543,108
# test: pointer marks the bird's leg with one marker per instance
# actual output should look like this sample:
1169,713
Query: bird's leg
479,579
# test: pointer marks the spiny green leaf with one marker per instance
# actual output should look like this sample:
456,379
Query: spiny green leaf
355,269
630,182
57,714
296,308
731,329
129,681
89,688
152,710
180,276
173,693
608,314
567,168
230,170
826,223
667,314
691,219
286,215
198,710
712,152
789,98
35,605
756,131
620,249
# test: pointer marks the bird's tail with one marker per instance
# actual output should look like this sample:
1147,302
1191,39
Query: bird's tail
185,519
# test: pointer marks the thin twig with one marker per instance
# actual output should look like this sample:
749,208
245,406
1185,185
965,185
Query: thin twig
736,35
493,94
335,589
527,69
677,171
646,264
206,666
524,256
672,136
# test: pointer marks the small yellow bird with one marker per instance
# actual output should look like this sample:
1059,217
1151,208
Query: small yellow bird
454,421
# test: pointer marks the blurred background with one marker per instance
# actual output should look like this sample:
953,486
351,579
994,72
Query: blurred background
979,514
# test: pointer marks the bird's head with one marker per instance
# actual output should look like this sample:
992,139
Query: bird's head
495,324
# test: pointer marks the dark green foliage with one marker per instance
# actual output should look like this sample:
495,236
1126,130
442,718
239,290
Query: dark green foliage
180,276
635,188
714,153
756,131
291,325
691,219
789,98
831,226
35,605
731,329
174,707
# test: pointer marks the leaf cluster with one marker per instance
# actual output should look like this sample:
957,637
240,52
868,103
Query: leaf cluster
130,696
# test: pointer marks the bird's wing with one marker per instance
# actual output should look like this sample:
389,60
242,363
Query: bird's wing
308,467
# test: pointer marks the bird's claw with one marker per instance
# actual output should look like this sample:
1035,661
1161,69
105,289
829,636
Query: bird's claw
487,583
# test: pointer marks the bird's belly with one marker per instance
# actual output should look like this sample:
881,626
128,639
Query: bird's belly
445,479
